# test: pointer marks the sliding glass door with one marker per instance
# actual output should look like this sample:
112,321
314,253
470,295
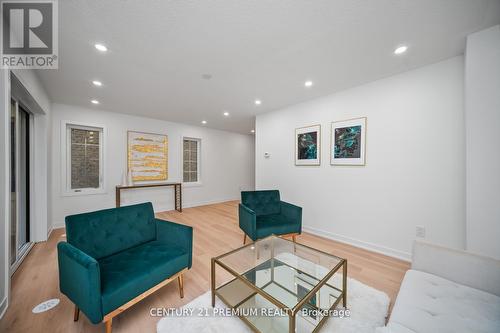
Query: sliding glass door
20,152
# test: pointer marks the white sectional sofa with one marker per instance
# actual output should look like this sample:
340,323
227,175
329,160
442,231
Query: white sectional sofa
445,291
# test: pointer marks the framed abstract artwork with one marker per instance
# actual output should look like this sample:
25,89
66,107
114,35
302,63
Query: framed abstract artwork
348,141
308,145
147,156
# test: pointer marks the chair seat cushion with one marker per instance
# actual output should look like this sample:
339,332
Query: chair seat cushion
274,224
129,273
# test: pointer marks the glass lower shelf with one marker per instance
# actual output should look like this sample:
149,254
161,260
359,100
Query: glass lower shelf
284,284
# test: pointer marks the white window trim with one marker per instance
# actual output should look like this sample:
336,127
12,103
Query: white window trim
199,182
66,190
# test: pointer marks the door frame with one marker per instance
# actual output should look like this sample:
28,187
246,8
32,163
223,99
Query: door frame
21,254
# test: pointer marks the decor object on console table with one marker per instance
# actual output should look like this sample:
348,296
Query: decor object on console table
262,213
116,257
147,156
348,141
124,179
130,181
308,145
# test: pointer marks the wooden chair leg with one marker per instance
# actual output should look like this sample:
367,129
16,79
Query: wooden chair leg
180,278
244,238
77,314
109,325
294,238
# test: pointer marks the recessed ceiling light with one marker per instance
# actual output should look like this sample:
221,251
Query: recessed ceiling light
94,101
101,47
252,131
308,83
401,49
203,122
258,102
226,114
97,83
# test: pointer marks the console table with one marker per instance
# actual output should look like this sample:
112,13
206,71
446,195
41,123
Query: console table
177,192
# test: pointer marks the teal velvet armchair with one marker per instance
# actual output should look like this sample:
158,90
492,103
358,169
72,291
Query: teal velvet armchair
262,213
114,258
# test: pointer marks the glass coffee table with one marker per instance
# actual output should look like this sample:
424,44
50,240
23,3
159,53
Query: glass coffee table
276,285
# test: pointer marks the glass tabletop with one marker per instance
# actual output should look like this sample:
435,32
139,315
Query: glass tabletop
285,271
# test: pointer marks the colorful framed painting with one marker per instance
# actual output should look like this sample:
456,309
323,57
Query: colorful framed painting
348,141
147,156
308,145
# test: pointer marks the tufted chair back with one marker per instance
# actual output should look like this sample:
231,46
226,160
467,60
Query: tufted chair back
106,232
262,202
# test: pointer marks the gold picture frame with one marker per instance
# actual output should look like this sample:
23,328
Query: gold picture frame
340,155
302,156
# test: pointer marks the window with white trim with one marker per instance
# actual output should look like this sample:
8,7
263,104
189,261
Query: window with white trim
84,159
191,152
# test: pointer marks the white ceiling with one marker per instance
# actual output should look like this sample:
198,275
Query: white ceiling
159,50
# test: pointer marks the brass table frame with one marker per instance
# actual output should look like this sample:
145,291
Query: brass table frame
291,312
177,192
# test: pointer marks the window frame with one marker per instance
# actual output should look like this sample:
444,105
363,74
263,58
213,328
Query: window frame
198,157
66,189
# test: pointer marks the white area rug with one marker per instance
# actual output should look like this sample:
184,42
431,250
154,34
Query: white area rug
368,309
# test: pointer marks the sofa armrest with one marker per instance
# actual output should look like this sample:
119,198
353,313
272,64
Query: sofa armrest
462,267
292,213
80,280
176,234
248,221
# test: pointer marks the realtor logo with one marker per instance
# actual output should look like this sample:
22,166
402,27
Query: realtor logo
29,34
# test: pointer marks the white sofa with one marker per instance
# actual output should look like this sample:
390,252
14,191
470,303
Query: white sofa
447,290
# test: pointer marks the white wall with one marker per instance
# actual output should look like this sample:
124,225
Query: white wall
227,163
4,188
482,114
414,173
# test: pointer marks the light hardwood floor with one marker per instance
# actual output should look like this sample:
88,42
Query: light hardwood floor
215,231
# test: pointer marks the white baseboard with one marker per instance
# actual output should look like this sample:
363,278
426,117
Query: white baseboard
3,307
194,204
207,202
406,256
59,225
